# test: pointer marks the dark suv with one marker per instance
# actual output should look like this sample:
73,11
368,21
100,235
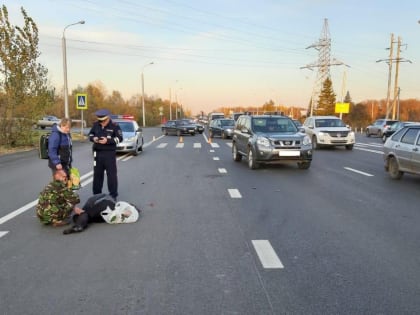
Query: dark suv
270,139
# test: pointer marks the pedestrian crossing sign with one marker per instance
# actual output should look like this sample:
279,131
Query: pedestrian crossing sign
81,101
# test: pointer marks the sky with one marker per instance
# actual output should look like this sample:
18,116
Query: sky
226,53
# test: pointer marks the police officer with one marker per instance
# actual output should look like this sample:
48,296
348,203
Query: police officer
105,135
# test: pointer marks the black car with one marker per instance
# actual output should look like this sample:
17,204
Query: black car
178,127
270,139
222,127
198,127
394,127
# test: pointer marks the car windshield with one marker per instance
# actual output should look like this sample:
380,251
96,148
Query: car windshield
126,126
227,122
276,125
329,123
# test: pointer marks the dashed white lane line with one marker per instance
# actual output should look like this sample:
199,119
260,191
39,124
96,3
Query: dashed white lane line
197,145
369,150
267,255
215,145
222,170
234,193
356,171
3,233
216,158
162,145
180,145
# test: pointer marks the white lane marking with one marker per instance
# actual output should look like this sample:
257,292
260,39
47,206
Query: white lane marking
197,145
222,170
180,145
162,145
369,150
3,233
15,213
234,193
211,151
127,158
267,255
215,145
372,144
229,144
356,171
216,158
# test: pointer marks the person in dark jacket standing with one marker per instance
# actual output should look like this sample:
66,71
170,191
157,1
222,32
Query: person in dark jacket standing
60,147
105,135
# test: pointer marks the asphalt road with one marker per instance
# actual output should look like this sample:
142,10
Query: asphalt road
215,237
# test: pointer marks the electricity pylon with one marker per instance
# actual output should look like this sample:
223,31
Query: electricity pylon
323,64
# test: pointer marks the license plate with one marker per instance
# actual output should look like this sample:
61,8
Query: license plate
289,153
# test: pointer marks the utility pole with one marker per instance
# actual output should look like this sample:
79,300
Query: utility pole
390,61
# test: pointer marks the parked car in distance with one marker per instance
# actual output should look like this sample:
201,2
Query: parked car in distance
178,127
329,131
132,136
270,139
47,121
235,116
222,127
378,127
402,152
394,127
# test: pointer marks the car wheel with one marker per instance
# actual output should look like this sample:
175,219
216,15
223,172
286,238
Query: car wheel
178,133
252,163
383,138
304,165
193,134
315,145
136,151
393,169
236,156
349,147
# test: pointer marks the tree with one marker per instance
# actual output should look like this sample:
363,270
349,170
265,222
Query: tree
23,81
326,102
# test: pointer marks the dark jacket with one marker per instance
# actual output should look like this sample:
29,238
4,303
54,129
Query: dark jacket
112,132
59,149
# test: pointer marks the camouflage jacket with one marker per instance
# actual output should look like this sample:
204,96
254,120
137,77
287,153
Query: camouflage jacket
56,202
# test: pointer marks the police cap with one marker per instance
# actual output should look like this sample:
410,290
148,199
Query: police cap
102,114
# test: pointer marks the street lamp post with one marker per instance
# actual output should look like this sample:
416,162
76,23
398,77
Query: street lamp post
63,42
142,92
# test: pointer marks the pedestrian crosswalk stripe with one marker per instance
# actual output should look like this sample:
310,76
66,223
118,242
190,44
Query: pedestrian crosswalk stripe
234,193
162,145
180,145
222,170
197,145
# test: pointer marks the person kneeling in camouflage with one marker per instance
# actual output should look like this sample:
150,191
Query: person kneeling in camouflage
102,208
57,201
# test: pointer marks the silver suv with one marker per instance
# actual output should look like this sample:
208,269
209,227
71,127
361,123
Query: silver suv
270,139
328,131
379,127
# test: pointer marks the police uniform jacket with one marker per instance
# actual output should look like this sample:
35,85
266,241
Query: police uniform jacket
112,132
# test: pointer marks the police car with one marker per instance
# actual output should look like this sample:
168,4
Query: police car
132,134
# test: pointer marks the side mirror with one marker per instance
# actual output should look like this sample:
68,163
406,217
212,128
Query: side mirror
139,129
301,129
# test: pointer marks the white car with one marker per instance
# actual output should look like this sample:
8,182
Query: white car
329,131
132,136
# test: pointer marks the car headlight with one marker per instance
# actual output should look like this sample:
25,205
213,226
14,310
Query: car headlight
262,141
351,134
321,134
129,139
306,140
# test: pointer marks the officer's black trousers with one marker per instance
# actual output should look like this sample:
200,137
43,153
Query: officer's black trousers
105,161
